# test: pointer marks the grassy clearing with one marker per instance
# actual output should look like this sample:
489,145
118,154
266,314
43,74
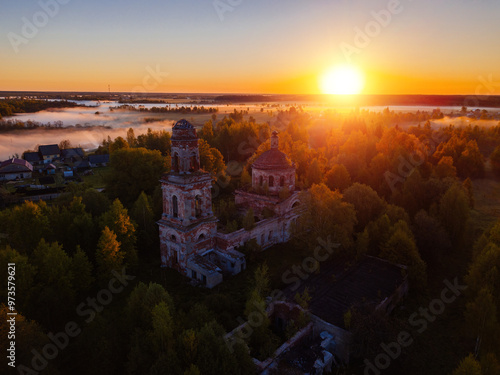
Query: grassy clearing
97,180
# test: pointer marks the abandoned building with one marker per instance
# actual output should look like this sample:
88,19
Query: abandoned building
189,239
324,342
191,243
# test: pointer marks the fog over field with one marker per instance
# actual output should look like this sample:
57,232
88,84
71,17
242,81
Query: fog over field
88,126
16,142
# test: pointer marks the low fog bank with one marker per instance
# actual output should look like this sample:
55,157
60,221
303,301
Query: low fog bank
464,121
86,117
16,142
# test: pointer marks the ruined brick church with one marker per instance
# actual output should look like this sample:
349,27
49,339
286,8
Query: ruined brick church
189,240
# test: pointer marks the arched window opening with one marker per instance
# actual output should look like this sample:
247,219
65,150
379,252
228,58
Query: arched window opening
201,237
173,238
296,204
193,163
175,160
282,181
271,181
197,206
175,207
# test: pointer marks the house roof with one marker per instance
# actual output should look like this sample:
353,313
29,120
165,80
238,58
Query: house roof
15,165
32,156
82,164
98,159
49,150
72,152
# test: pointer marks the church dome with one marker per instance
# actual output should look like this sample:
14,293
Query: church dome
183,130
273,171
273,158
183,124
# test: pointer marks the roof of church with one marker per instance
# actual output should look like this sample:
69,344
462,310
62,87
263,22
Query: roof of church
183,130
183,124
272,159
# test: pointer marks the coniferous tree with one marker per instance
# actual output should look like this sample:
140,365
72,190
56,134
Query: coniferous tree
109,256
118,220
82,271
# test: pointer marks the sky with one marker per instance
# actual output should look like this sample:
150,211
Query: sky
249,46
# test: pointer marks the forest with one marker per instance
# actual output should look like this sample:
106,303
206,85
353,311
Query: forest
9,107
391,185
167,109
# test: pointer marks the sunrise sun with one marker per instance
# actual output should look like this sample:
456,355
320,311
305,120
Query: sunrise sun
342,80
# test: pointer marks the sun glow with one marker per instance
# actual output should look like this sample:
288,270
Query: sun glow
342,80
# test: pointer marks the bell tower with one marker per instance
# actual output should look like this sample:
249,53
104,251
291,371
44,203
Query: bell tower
188,225
185,154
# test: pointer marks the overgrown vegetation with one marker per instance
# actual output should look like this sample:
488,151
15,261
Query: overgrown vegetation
406,195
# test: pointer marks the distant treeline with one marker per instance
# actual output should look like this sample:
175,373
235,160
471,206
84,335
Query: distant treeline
9,107
432,100
251,98
170,109
9,125
142,101
376,100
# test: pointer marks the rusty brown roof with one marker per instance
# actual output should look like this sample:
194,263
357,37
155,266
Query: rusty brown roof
272,159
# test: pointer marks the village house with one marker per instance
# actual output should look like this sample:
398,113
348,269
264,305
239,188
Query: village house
13,169
33,158
49,153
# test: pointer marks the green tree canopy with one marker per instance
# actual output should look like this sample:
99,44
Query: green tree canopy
134,170
211,160
118,220
495,160
82,271
454,212
401,249
53,294
338,178
468,366
25,225
326,215
109,257
367,203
